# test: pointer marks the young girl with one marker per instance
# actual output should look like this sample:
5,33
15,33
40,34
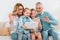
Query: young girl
36,33
14,17
23,19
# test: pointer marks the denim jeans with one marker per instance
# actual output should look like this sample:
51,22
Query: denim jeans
52,32
14,36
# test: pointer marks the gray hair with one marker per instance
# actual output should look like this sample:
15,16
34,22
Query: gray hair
38,3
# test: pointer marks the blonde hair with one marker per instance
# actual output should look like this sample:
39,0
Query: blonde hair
27,9
16,8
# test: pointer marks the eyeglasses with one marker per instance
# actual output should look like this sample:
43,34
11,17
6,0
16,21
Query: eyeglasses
20,9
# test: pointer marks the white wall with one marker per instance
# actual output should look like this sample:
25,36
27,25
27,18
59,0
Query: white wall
6,6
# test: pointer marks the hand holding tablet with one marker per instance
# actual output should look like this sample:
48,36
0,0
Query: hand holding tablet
31,25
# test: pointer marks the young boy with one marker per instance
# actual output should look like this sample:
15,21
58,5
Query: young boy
25,18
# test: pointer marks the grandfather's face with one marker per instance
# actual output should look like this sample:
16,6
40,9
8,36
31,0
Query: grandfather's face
39,8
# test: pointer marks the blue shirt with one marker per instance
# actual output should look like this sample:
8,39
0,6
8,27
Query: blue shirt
45,25
22,21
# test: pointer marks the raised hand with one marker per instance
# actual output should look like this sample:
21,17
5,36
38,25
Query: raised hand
46,19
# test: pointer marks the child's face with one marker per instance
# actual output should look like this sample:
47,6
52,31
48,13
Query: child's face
33,13
27,13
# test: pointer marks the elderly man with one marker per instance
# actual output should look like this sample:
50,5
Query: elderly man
47,21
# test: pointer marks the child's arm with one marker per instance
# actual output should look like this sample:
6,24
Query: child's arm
21,24
24,27
39,24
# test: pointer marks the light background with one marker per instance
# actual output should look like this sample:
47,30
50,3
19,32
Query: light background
6,6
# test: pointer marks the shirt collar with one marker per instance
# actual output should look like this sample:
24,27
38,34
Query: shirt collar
26,17
42,13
